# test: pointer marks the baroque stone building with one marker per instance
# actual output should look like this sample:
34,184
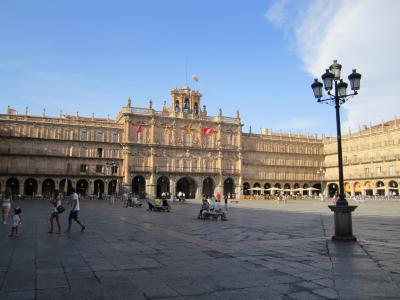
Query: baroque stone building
180,148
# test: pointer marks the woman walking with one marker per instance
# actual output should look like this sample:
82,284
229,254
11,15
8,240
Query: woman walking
57,209
6,205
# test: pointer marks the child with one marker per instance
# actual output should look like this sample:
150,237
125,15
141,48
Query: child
16,221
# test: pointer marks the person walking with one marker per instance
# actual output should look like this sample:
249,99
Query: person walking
226,201
6,205
16,221
57,209
73,214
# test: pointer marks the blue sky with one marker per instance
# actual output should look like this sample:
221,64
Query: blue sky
90,56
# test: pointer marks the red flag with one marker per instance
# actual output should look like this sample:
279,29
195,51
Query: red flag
139,129
208,130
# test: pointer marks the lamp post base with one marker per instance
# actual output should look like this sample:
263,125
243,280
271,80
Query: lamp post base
343,223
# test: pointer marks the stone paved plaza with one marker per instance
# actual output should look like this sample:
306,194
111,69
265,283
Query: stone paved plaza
265,250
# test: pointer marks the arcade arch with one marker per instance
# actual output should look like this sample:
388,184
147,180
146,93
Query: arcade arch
188,186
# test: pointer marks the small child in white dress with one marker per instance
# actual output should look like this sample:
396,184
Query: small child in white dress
16,221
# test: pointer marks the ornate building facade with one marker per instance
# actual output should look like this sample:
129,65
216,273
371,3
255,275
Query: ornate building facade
180,148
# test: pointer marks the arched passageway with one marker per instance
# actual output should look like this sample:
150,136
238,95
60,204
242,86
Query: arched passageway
380,188
162,186
257,185
188,186
13,185
332,189
30,187
98,188
393,188
139,186
229,187
267,186
112,187
82,187
246,187
368,188
286,189
65,186
208,187
48,186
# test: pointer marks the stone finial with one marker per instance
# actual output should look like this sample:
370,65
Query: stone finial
44,112
26,110
77,114
250,130
93,116
220,112
164,105
237,114
150,104
61,112
129,102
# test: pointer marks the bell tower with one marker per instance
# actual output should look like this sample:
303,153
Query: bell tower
185,100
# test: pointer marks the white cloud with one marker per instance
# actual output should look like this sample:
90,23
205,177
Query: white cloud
277,14
361,34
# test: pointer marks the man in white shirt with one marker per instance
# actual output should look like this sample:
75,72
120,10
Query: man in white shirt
75,208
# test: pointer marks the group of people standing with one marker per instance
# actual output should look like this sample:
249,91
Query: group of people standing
58,208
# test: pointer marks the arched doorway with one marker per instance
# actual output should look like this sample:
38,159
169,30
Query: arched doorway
277,189
229,187
246,187
380,188
82,187
332,189
368,188
112,187
267,186
256,185
208,187
347,188
393,188
139,186
13,185
98,188
188,186
317,188
305,189
30,187
286,189
48,186
296,188
357,189
162,186
65,186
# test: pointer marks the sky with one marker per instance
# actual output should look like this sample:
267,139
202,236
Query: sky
258,57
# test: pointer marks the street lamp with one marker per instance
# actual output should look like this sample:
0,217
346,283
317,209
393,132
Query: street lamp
332,80
113,165
321,172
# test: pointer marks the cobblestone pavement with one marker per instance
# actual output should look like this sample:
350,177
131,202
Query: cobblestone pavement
265,250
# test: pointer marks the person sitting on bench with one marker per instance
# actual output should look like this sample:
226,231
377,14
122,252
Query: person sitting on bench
204,207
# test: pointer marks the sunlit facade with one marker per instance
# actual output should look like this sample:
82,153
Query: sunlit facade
182,148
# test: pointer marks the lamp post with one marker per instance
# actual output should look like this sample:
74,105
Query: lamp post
113,165
332,80
321,172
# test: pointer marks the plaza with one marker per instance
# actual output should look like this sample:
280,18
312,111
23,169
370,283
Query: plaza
266,250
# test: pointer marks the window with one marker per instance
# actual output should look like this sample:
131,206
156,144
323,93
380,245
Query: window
83,152
186,105
99,152
176,106
99,168
392,170
114,153
114,169
196,108
84,136
378,171
115,137
99,136
83,168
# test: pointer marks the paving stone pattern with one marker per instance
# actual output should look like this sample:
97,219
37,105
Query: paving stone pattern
259,253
